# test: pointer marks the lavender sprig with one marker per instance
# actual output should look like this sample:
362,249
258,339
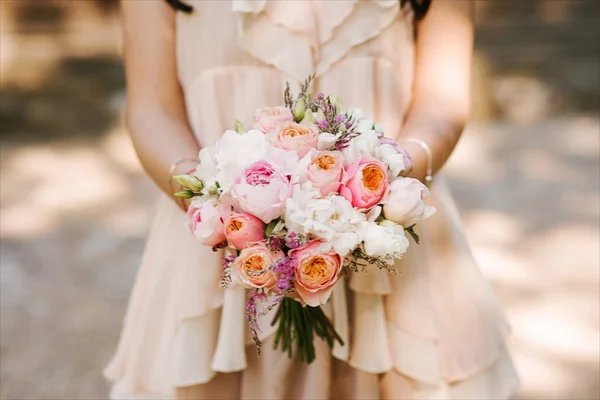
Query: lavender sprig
285,282
226,274
254,297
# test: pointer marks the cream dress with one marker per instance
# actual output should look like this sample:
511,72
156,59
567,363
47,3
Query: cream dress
433,332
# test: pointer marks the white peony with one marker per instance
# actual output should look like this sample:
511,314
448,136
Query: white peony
392,158
332,219
365,125
356,113
365,145
385,239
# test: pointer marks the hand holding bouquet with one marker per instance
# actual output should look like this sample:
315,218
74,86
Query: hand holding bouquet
310,193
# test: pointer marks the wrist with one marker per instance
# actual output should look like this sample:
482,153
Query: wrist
421,159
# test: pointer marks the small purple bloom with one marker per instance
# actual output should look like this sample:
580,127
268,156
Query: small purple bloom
252,316
323,124
227,261
275,243
293,240
285,268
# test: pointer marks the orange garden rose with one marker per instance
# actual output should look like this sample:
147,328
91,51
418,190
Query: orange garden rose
325,171
269,118
316,273
291,136
243,230
252,266
366,182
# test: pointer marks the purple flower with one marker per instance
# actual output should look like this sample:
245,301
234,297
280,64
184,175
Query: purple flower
227,261
275,243
293,240
323,124
339,118
285,268
226,274
254,297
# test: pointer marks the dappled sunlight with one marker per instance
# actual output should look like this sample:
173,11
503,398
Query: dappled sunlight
530,207
53,184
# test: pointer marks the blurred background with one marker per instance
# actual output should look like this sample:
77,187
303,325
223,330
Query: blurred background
76,206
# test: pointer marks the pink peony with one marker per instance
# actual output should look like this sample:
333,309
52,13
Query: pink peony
267,119
366,182
406,204
407,161
325,171
253,266
206,221
243,229
291,136
316,273
262,191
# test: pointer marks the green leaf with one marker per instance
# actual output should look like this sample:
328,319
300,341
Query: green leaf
412,233
270,227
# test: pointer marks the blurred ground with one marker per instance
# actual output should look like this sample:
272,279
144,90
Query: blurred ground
526,178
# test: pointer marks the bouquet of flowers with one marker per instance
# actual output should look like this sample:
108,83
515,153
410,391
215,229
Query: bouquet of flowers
310,193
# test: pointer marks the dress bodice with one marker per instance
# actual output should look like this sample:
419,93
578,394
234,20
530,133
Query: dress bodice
235,56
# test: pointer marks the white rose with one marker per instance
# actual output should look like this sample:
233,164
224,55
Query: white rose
390,156
385,239
406,204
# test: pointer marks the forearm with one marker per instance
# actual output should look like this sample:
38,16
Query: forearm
438,127
161,140
442,90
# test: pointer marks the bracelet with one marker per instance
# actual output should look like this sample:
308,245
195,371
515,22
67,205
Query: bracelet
425,147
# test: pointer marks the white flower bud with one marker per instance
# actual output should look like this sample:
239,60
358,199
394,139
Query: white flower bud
190,182
299,110
239,127
185,194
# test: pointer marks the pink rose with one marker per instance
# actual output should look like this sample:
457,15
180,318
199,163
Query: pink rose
262,191
325,171
406,205
243,229
316,273
366,182
291,136
267,119
206,221
252,266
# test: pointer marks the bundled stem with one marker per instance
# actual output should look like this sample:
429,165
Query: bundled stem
297,326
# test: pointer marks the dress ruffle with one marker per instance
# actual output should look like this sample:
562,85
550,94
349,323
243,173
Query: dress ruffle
388,323
302,38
